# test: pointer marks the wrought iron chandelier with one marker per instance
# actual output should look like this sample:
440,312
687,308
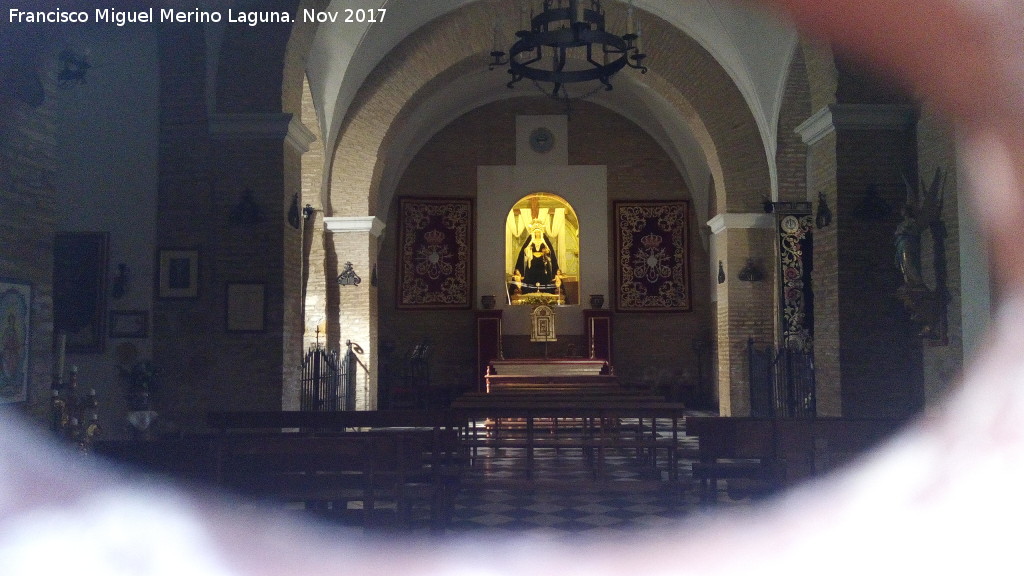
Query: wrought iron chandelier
567,44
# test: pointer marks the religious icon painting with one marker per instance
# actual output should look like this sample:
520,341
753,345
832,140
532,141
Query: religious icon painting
652,267
435,254
15,333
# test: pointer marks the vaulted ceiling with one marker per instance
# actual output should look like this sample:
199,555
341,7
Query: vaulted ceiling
753,47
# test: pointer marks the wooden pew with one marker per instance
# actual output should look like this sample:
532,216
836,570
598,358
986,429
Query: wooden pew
406,455
190,459
771,453
734,449
595,428
811,447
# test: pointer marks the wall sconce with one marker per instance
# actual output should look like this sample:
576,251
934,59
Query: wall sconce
824,216
750,272
247,211
293,213
721,273
119,285
348,276
73,68
873,208
308,212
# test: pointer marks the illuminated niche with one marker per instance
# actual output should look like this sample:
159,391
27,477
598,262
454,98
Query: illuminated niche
542,252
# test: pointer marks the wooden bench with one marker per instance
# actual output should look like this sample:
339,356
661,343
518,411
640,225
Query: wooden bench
734,449
770,453
596,428
330,472
190,459
328,459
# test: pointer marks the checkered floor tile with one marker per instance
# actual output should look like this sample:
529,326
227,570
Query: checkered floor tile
562,495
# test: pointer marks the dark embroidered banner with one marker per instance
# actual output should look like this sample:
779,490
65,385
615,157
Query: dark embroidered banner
652,270
435,254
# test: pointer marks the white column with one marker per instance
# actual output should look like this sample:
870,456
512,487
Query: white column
355,240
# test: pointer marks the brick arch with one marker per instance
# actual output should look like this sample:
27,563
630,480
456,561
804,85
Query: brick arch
713,106
246,84
822,74
272,81
791,152
293,85
685,74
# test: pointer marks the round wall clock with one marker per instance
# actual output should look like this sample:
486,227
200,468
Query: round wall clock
542,140
790,224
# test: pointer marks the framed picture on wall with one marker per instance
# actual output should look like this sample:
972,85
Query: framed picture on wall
129,323
177,273
246,307
435,253
80,289
652,262
15,339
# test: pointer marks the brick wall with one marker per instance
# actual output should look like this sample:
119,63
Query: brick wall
205,172
745,310
821,171
27,194
880,354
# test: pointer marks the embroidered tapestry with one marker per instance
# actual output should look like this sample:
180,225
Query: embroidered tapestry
435,253
652,266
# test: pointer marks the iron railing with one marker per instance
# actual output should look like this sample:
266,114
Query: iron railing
329,379
782,382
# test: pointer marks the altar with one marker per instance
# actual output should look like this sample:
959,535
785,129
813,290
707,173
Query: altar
594,369
550,375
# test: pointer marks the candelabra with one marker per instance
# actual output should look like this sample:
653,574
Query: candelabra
75,416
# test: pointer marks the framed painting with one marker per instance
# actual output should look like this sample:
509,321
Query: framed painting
129,323
652,266
177,273
15,339
80,289
435,253
246,307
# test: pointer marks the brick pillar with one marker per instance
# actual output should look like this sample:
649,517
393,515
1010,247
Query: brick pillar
262,150
867,355
745,308
354,239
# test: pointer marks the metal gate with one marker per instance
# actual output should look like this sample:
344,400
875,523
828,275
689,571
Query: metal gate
322,389
781,382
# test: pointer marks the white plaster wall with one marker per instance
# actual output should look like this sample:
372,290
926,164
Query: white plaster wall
975,280
586,189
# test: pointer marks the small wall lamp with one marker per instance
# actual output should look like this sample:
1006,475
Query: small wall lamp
293,213
751,272
348,276
73,69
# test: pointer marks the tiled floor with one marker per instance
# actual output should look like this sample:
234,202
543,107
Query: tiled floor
562,510
563,497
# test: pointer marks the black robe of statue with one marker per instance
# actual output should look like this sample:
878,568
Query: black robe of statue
540,269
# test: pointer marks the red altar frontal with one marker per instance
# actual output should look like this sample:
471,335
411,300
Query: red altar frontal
494,371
